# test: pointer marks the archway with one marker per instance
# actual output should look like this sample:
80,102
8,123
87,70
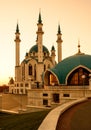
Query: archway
75,78
50,79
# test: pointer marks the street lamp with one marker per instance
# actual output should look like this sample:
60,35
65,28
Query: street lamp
83,77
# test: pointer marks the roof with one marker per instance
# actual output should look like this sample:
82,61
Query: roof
53,48
35,49
62,69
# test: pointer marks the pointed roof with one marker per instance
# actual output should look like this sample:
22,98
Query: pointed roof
39,19
53,48
59,30
17,28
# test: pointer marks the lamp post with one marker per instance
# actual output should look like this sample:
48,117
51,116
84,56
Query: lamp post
83,77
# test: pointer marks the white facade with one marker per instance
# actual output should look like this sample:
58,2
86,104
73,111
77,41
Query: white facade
35,63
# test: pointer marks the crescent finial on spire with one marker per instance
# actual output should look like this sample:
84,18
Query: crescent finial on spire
79,46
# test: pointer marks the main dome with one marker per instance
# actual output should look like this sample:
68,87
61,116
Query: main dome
35,49
63,68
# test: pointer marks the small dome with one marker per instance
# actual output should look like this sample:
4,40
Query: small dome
62,69
35,49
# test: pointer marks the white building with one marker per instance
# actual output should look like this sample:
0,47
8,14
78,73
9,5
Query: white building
36,62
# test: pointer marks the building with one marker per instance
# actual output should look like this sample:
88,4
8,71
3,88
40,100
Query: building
4,89
36,62
46,82
69,80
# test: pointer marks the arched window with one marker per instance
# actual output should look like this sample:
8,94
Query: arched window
44,53
75,77
50,79
35,71
23,72
53,80
48,65
30,69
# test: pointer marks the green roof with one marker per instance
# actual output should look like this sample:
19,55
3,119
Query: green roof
62,69
17,28
53,48
35,49
39,20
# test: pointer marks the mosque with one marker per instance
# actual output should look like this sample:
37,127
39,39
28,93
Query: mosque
45,81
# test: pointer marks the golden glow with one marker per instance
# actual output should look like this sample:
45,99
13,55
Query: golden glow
74,17
53,80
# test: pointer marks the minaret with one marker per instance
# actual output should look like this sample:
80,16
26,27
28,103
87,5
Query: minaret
59,44
17,46
17,54
53,54
40,39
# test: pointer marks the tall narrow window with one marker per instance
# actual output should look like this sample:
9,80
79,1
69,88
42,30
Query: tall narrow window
23,72
56,97
30,69
48,65
35,71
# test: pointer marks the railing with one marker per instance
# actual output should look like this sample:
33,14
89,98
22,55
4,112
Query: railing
33,86
67,87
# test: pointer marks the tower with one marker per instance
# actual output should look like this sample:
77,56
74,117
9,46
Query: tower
17,53
40,39
40,49
53,54
17,46
59,44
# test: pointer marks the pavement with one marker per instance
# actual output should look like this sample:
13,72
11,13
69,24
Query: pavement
50,122
14,103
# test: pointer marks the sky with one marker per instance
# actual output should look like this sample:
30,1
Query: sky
74,17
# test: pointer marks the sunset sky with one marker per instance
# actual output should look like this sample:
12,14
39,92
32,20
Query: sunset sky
74,17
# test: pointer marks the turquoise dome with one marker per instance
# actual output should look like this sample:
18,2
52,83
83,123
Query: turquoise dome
35,49
62,69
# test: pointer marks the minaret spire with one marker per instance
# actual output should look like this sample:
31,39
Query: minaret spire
17,53
40,39
59,30
59,43
79,51
39,19
17,41
39,42
17,28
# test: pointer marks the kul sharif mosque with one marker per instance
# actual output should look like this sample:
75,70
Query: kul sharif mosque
42,79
